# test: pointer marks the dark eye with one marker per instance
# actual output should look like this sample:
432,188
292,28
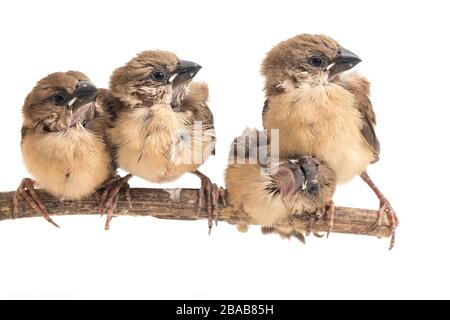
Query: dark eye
158,75
59,98
313,189
316,61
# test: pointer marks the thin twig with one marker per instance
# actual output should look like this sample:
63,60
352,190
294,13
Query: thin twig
159,204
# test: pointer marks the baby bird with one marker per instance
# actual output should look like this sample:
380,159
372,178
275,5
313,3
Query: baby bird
63,141
162,126
276,189
322,111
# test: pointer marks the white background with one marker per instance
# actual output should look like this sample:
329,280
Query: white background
405,48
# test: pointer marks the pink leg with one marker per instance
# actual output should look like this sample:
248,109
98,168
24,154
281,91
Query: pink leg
209,197
110,196
330,216
27,190
385,209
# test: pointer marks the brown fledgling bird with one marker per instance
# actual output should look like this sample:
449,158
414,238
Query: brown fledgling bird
64,144
162,125
270,190
322,111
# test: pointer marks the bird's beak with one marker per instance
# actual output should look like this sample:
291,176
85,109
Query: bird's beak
345,60
83,103
185,71
85,92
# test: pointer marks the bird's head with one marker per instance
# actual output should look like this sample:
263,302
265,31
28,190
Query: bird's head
305,58
292,177
303,182
153,77
60,101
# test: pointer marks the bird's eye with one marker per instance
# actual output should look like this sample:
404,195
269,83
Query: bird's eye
59,98
316,61
313,189
158,75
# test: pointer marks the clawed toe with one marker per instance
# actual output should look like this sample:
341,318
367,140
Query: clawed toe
28,192
318,235
209,197
386,210
110,197
314,218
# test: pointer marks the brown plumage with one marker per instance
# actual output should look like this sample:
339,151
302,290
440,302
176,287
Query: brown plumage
63,140
162,125
270,190
320,110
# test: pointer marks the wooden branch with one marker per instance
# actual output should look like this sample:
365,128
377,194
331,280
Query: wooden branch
162,204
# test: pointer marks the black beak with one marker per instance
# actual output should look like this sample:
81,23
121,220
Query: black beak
185,71
345,60
84,93
82,104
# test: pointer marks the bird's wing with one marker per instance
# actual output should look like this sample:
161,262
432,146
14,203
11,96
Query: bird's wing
106,107
106,102
253,146
196,102
360,88
265,109
368,129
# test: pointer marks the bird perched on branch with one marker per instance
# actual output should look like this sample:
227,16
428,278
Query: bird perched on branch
321,110
64,144
269,189
162,125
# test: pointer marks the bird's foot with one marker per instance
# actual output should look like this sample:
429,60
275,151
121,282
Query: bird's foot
110,196
386,211
28,192
313,219
329,211
208,199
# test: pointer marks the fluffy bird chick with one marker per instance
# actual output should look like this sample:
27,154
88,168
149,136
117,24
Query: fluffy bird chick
322,111
63,140
162,126
276,189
